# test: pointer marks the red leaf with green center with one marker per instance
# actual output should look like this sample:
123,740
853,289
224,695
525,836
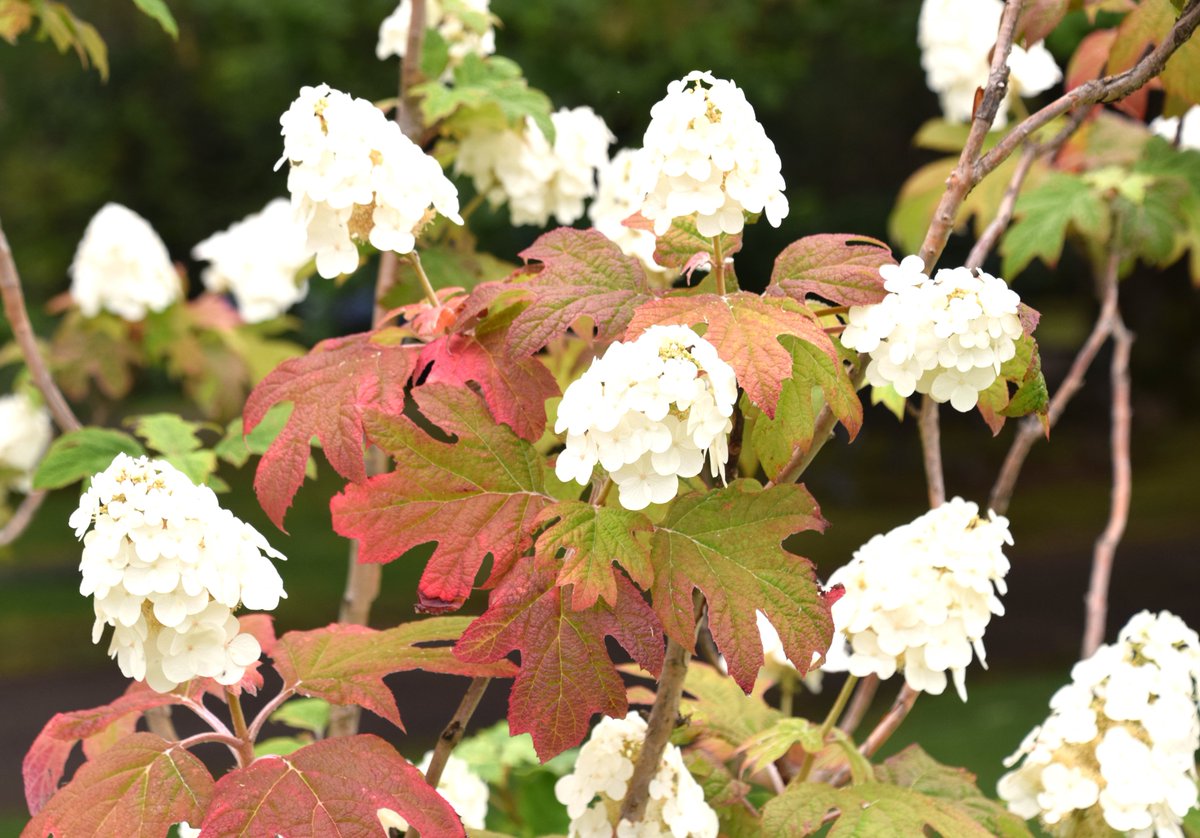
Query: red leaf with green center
330,789
139,787
727,543
682,248
840,268
346,664
566,674
745,330
592,538
330,388
478,495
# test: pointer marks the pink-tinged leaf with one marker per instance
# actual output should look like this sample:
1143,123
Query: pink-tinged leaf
682,248
139,787
727,543
566,674
345,664
1091,61
1039,18
515,390
475,496
1029,317
1146,26
330,789
745,329
838,267
592,539
329,389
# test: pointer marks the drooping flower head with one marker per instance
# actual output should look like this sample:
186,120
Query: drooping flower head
167,567
25,434
649,411
122,266
355,177
462,788
624,182
465,26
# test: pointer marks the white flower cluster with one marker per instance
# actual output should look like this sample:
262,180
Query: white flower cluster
710,156
648,411
167,566
1118,750
356,177
624,182
946,336
256,260
462,788
1168,128
122,266
462,38
956,39
537,179
919,598
593,792
25,434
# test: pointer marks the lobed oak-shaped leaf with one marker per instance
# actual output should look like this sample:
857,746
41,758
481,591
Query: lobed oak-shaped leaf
682,248
476,496
727,543
838,267
593,538
566,674
330,789
136,789
1147,25
745,329
1061,203
1019,390
330,389
345,664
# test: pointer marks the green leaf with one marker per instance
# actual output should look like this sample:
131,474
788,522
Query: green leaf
718,707
682,248
16,16
59,24
593,538
889,398
487,93
157,10
435,56
1023,372
99,350
1061,204
1147,25
768,745
310,714
82,453
177,441
493,751
280,745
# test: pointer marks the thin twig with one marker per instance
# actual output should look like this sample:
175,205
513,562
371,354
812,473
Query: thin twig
864,694
210,718
212,736
888,724
245,743
21,517
1004,212
931,449
431,296
264,714
831,717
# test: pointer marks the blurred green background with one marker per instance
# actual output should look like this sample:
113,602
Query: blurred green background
186,133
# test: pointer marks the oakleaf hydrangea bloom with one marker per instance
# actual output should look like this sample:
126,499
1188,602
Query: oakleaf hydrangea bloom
538,179
919,598
593,792
956,39
1119,747
167,567
1168,127
624,182
25,434
947,336
356,177
462,788
463,37
709,156
256,260
648,411
122,266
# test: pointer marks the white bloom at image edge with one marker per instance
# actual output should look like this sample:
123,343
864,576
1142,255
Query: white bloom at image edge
462,788
122,266
167,566
25,434
1167,127
462,39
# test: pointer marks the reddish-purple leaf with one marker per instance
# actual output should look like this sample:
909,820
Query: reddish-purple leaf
592,538
566,674
744,328
329,389
330,789
136,789
838,267
345,664
1039,18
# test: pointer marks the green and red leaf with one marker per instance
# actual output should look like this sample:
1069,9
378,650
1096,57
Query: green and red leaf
838,267
682,248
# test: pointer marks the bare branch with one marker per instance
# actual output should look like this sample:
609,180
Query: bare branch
20,520
453,732
890,722
931,448
1004,212
864,694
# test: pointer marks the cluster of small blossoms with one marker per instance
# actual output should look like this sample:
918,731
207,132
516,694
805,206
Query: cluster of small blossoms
709,156
919,598
648,411
593,792
356,177
624,183
462,38
1118,750
256,260
956,39
946,336
1168,128
462,788
167,567
25,434
122,266
538,179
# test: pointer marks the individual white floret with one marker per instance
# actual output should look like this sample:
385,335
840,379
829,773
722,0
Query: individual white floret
167,566
256,260
462,788
956,39
709,156
463,36
624,183
1168,128
122,266
355,177
25,434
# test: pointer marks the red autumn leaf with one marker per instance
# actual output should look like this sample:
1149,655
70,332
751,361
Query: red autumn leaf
592,538
139,787
682,248
1090,61
345,664
329,389
330,789
476,496
566,674
744,328
838,267
727,543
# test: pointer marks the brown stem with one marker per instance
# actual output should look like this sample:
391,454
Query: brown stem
931,448
864,694
888,724
1004,212
408,114
20,519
